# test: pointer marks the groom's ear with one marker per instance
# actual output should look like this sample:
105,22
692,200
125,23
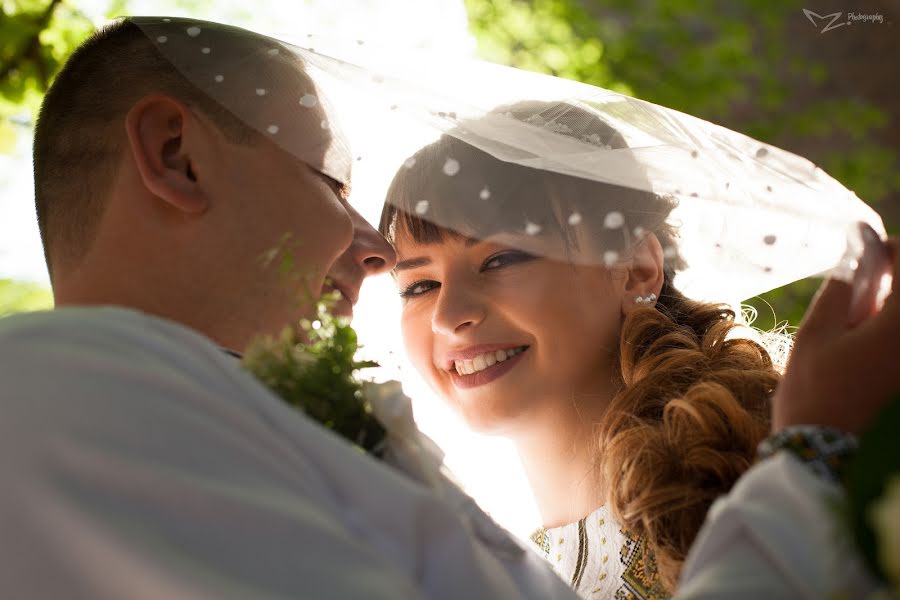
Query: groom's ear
644,274
163,135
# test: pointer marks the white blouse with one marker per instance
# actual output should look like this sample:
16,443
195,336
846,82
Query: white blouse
774,536
598,559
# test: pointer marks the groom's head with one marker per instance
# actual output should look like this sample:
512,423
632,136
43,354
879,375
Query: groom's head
177,173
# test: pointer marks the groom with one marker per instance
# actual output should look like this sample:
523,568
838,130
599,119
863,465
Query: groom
138,459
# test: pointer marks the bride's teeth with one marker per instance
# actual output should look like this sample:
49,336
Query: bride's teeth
483,361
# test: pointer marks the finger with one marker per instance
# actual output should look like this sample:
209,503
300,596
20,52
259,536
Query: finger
828,312
893,245
874,263
890,300
869,353
879,336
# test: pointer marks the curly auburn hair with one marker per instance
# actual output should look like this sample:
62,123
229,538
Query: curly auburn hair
684,427
692,404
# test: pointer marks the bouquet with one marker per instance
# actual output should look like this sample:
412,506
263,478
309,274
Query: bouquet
312,366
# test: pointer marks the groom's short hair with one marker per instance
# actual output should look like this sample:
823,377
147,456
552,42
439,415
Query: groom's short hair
80,137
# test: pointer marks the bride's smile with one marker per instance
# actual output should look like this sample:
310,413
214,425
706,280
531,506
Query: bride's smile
479,365
503,335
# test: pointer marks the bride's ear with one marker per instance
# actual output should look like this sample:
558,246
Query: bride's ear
644,275
163,137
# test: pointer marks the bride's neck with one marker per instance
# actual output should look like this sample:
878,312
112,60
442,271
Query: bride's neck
559,454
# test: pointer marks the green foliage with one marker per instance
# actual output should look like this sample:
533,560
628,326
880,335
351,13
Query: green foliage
722,61
312,367
16,296
875,464
36,37
548,36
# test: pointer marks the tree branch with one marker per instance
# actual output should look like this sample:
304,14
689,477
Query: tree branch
32,44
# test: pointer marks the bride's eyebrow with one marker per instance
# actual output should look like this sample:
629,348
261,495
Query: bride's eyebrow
421,261
412,263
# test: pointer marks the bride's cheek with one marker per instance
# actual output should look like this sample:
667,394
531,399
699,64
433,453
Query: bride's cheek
416,342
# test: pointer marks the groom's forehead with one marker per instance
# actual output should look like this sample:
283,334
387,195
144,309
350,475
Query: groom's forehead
311,135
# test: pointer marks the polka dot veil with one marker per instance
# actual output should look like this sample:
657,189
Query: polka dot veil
559,168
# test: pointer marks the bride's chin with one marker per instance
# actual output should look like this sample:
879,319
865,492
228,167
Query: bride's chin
489,420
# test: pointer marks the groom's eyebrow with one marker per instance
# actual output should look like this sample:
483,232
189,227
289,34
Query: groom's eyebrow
421,261
341,189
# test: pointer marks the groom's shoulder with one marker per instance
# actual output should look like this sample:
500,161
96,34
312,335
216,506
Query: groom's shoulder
82,350
67,321
100,330
123,370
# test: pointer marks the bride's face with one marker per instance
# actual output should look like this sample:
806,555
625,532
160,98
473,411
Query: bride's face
506,337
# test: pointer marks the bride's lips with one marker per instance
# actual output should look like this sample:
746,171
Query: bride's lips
487,375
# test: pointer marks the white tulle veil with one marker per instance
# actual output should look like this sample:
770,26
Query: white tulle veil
743,217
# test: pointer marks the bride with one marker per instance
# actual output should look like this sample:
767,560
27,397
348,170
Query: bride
541,307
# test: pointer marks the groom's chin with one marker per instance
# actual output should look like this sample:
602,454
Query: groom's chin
341,305
343,308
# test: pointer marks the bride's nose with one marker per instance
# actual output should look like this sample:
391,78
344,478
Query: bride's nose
458,307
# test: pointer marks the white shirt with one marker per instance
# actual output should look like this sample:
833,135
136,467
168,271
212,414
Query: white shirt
140,461
775,535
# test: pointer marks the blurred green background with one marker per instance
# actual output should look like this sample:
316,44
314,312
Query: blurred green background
755,66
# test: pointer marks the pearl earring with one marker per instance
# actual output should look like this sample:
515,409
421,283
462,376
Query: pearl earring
648,299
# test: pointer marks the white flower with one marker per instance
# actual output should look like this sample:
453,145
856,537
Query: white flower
409,449
391,406
884,515
416,455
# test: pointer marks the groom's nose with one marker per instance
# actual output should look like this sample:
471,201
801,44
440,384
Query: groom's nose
369,249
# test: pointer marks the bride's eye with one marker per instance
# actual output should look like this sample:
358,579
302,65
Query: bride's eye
505,258
418,288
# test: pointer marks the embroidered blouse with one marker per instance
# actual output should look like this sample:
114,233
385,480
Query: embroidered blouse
599,560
